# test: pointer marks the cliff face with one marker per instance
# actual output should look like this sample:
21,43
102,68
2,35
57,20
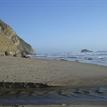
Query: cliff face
11,43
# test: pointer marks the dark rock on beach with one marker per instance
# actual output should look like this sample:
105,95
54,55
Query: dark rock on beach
22,85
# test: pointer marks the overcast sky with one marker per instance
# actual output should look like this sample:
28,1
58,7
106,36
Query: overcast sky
58,25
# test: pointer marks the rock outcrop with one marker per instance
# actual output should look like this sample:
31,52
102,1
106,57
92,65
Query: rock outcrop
11,43
85,50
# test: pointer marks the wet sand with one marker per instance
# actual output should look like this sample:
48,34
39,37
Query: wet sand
52,72
63,105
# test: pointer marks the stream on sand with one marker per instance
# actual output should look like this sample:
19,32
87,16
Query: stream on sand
51,95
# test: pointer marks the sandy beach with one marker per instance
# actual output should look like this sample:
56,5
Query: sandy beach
52,72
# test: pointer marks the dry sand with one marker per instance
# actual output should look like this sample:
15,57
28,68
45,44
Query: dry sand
51,72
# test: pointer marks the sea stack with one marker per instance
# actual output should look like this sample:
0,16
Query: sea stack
11,44
85,51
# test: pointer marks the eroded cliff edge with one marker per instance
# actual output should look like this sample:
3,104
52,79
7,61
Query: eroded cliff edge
11,43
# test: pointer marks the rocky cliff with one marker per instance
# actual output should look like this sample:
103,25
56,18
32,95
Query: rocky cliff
11,43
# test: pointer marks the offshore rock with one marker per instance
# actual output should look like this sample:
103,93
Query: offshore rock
85,50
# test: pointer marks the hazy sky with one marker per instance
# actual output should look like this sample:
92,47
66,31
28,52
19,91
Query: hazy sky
58,25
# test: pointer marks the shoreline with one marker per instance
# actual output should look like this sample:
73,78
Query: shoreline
60,59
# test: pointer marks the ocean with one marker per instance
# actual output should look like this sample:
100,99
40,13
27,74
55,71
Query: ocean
98,57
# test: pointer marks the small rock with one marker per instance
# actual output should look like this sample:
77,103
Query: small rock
64,105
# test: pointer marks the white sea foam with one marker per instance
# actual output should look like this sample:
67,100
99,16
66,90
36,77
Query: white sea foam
99,57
